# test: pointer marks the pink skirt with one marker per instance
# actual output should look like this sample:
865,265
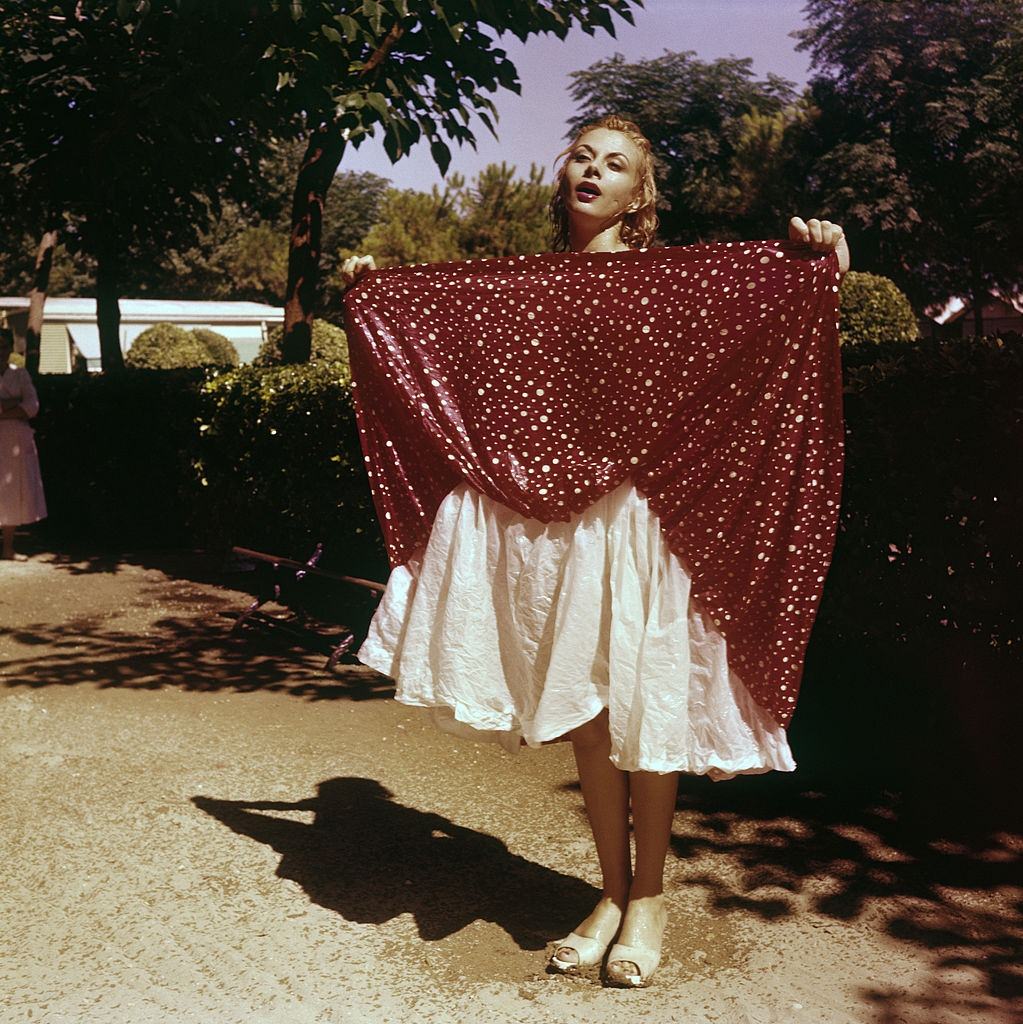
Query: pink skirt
21,485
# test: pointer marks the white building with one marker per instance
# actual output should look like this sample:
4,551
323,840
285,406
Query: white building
955,319
70,327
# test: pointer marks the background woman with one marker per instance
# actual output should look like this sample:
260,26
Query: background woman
701,721
21,486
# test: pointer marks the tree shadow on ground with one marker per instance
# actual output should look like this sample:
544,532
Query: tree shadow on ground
774,848
198,652
371,859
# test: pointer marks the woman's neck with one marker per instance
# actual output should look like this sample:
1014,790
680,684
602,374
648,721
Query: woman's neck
607,240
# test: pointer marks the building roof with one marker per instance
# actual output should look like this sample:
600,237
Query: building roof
957,307
180,311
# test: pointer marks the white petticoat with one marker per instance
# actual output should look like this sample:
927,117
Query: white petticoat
508,627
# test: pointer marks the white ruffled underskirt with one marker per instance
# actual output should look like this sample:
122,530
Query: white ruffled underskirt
514,630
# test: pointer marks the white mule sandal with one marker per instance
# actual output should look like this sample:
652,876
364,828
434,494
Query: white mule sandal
645,959
590,952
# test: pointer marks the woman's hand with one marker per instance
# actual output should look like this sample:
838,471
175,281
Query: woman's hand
354,267
823,236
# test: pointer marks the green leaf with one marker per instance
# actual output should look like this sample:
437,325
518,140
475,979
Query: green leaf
392,145
378,102
485,118
374,12
349,26
331,33
441,155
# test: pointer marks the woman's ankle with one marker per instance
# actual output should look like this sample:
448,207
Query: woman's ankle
617,894
645,888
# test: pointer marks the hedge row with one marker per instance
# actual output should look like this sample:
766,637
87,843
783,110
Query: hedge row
270,457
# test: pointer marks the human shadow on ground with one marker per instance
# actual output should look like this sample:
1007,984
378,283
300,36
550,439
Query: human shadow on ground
371,859
775,849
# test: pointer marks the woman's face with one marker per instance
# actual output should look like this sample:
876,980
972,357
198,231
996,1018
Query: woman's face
601,175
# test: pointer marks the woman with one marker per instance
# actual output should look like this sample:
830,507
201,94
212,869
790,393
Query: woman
604,201
21,486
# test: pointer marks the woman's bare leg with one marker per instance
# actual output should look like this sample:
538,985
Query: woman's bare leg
653,809
8,551
606,798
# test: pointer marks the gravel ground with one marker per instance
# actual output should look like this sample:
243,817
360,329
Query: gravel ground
200,826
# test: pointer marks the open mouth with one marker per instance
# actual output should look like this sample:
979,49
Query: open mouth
587,189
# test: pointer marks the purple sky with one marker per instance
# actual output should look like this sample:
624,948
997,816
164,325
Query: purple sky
532,125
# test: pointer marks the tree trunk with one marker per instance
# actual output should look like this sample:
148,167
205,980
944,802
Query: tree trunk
979,297
108,309
319,165
37,300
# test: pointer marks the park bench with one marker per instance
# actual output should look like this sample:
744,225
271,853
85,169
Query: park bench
281,581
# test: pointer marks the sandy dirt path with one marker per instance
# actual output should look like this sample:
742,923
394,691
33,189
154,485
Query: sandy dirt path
204,827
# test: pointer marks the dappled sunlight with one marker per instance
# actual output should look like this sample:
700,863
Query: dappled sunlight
777,849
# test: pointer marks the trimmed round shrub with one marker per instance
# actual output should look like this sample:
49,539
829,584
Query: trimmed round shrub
330,345
873,310
169,347
220,348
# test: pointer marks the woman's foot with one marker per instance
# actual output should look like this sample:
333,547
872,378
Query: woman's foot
586,945
635,956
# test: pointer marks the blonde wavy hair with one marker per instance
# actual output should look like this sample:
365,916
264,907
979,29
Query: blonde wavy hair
637,228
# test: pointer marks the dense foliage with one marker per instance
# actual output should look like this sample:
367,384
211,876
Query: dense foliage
116,455
874,310
330,345
167,346
280,464
916,141
929,536
715,132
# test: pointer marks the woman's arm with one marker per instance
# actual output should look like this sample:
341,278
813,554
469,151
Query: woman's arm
26,405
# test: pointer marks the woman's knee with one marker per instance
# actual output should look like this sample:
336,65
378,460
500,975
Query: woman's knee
593,733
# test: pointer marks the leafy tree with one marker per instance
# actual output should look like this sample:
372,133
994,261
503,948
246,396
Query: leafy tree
98,90
497,215
707,122
503,215
414,227
416,69
124,123
918,141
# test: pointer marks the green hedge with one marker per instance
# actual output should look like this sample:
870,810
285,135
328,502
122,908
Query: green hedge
329,344
281,468
167,346
873,310
270,457
116,455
